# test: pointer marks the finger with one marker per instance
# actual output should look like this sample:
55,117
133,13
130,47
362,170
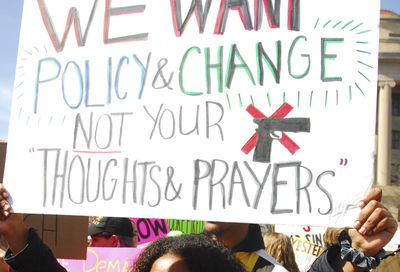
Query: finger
378,214
5,206
365,213
372,194
3,192
387,223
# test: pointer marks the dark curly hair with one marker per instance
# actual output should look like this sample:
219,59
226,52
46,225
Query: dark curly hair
199,251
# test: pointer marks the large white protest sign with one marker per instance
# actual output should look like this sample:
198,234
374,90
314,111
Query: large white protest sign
250,111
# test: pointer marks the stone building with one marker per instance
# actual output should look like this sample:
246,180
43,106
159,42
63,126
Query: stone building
388,114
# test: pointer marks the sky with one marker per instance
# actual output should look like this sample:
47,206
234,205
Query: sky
10,21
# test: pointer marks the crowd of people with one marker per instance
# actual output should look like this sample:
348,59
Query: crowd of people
222,246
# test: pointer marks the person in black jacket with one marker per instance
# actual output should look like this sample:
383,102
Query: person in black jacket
26,252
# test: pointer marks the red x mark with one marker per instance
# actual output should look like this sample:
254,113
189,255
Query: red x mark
285,140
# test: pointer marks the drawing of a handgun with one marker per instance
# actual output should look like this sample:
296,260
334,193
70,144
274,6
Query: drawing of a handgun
268,126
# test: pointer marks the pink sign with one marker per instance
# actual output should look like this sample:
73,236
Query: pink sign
104,259
150,229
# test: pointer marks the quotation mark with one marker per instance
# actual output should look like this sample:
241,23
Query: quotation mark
31,149
343,162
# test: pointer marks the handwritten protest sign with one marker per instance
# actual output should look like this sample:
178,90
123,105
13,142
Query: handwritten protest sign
221,110
150,229
312,234
104,259
308,243
305,252
186,226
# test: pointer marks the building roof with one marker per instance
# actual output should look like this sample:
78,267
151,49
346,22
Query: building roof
388,14
387,11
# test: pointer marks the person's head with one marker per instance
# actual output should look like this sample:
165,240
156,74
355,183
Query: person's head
228,233
111,232
279,246
187,253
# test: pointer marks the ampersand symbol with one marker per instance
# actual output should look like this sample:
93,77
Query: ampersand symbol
170,174
161,64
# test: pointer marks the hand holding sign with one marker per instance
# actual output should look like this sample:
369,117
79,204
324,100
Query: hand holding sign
152,125
375,226
11,224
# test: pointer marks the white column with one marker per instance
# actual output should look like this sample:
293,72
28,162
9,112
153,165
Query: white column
384,150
